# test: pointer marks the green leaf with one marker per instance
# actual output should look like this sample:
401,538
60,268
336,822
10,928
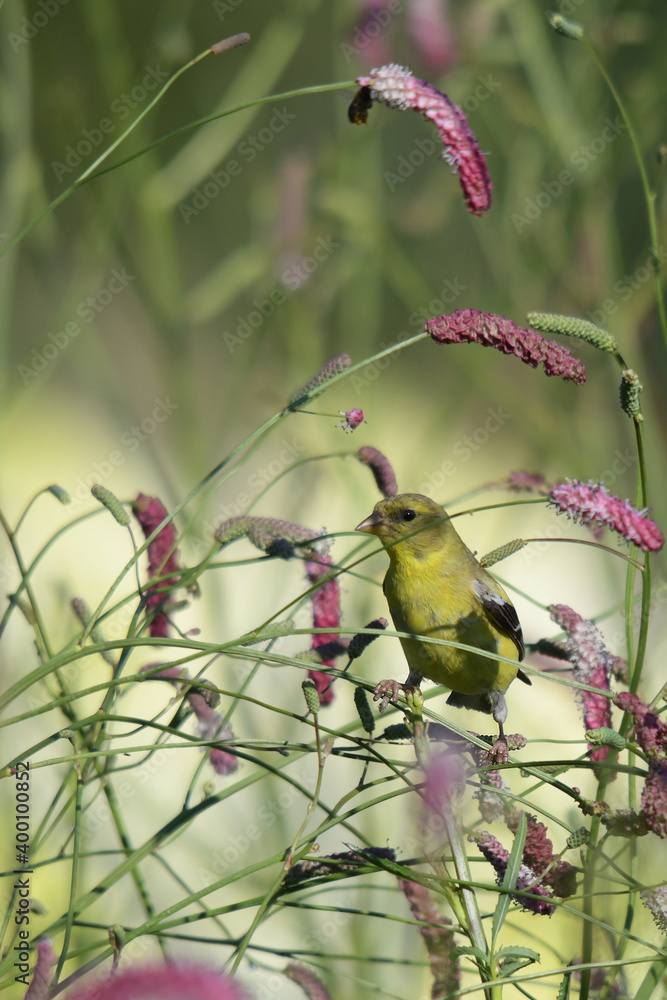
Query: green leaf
511,875
514,957
479,957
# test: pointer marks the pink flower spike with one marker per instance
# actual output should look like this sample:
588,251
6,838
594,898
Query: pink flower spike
172,981
162,558
650,730
592,665
353,418
42,976
654,797
326,614
586,502
468,326
396,86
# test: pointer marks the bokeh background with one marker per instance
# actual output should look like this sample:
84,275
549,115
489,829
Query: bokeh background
211,276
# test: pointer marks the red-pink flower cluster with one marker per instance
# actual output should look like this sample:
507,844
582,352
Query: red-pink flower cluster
380,466
210,726
498,856
396,86
40,983
650,730
654,796
438,937
353,418
538,854
468,326
172,981
592,664
326,614
592,502
162,558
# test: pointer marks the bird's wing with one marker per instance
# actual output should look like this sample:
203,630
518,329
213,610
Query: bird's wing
502,613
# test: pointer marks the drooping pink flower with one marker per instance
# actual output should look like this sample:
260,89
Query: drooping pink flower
311,985
210,728
42,976
202,701
650,730
380,466
438,936
538,854
396,86
172,981
353,418
586,502
592,664
162,558
654,797
498,856
468,326
326,614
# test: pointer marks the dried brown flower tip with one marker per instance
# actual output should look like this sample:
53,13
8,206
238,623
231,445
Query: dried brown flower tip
523,482
362,640
364,710
230,43
316,384
381,468
313,987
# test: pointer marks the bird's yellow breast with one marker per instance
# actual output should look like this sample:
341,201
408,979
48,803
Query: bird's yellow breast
434,598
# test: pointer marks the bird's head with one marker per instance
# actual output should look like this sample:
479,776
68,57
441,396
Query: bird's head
411,518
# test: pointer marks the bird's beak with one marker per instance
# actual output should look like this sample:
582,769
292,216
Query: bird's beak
373,525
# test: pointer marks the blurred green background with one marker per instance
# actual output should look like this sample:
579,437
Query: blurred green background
346,238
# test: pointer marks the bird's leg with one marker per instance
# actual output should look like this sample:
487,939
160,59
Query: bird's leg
387,691
499,752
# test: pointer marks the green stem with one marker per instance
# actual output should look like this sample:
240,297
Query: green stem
649,195
74,881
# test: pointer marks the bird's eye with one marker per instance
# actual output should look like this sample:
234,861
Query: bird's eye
409,515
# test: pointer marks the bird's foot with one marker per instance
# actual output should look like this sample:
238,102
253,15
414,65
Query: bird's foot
385,692
499,752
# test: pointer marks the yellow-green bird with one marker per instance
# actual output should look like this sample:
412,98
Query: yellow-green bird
436,588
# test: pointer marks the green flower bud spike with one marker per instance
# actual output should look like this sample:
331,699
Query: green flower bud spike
364,710
112,503
573,326
604,736
563,25
311,695
630,389
502,552
578,838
